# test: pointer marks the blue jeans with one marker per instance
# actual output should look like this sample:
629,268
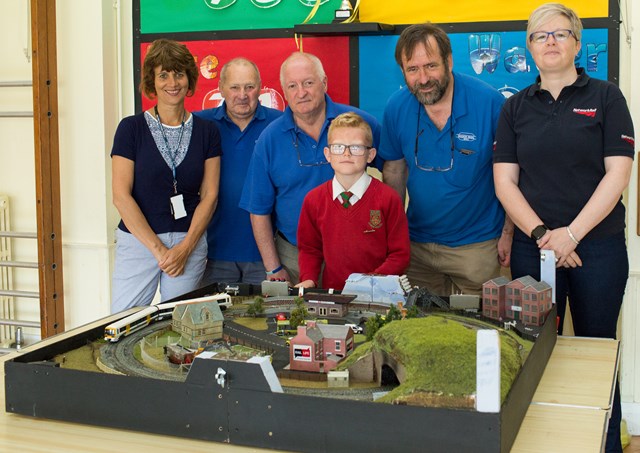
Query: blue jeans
595,291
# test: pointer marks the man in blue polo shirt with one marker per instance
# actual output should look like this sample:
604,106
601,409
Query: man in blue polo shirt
233,255
437,142
289,161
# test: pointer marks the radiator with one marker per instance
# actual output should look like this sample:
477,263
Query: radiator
7,309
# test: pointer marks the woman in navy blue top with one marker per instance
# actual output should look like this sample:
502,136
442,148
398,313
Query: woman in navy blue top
166,168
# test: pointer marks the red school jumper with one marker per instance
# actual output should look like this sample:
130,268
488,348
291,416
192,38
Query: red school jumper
371,236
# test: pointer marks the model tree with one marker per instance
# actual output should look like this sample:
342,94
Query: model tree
413,312
394,314
299,313
372,326
257,307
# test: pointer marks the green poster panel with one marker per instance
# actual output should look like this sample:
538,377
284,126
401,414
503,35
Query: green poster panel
168,16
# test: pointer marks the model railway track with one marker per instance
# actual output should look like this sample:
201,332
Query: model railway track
120,357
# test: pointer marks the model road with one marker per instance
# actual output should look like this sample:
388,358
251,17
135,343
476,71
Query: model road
263,339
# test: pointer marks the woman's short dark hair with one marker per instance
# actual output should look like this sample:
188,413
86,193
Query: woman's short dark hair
171,56
420,33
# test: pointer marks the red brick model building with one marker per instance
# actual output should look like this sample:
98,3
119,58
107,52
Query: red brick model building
319,347
493,298
525,300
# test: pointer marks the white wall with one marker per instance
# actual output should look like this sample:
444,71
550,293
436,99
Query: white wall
17,164
86,96
95,67
630,354
92,84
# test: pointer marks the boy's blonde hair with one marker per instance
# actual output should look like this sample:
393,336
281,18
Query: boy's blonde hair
351,119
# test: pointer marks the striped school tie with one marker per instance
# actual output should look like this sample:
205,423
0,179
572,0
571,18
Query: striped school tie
345,199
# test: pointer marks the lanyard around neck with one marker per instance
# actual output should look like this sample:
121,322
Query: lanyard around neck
172,154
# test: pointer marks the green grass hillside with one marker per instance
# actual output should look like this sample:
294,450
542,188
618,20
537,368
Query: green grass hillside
439,355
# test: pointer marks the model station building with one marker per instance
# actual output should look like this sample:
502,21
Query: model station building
524,300
328,305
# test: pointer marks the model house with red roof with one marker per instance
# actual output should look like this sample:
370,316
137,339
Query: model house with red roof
319,347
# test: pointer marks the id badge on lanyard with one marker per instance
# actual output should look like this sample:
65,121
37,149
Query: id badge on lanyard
177,200
177,207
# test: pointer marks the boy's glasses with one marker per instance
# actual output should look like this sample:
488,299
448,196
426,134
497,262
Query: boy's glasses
354,150
540,37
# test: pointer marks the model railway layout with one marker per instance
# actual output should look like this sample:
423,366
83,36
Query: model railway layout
141,319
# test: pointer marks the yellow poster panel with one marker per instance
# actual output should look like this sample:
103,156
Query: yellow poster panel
438,11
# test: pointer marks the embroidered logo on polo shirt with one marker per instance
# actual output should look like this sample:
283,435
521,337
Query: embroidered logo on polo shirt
628,139
466,136
375,219
591,113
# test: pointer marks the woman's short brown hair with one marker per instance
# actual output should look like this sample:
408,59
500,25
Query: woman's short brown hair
171,56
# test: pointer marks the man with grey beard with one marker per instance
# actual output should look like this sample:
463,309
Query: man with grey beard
437,140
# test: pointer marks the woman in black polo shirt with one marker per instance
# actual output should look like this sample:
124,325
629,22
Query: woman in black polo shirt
563,157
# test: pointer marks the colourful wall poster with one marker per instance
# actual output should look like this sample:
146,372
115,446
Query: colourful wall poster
167,16
268,54
412,11
499,58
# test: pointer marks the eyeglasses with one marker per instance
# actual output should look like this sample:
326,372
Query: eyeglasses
305,164
540,37
354,150
419,132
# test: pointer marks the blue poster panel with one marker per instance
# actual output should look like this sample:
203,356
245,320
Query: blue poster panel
499,58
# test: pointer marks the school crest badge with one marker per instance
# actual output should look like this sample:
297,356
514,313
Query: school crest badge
375,219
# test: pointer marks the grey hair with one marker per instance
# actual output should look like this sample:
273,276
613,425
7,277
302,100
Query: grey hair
297,55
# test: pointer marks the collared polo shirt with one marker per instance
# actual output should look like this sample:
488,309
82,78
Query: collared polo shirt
560,145
229,235
287,164
459,206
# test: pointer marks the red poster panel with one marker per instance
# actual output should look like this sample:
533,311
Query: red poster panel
268,54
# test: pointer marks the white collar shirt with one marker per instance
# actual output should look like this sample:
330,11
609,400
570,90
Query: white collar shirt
358,189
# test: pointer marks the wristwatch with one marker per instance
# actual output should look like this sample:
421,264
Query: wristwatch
538,232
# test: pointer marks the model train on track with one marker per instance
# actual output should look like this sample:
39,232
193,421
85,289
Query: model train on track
141,319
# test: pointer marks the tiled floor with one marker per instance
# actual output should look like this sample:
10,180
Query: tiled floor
634,446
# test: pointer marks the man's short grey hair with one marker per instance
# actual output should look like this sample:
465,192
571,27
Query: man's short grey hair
239,61
296,55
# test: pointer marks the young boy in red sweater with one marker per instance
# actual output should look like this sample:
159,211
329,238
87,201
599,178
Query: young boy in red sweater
352,223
